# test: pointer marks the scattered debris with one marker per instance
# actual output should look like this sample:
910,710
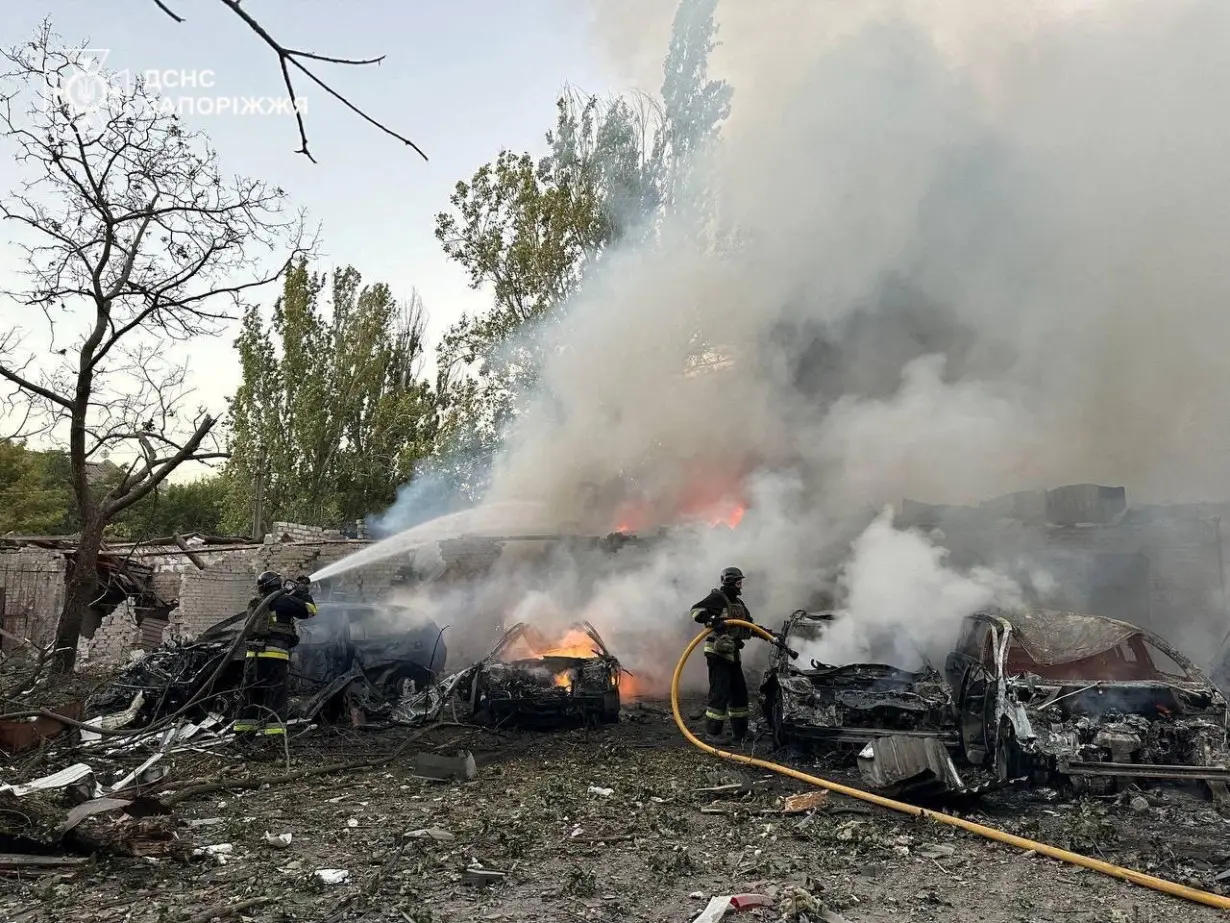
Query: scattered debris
602,792
77,772
219,851
802,803
799,906
278,841
936,851
482,877
718,907
333,876
18,863
18,736
433,833
920,766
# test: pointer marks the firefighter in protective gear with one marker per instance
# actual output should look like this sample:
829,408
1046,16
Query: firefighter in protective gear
727,685
267,658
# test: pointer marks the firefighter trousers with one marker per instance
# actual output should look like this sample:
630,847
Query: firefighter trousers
265,678
727,696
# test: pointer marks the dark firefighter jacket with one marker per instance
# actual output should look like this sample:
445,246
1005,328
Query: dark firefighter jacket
278,623
726,642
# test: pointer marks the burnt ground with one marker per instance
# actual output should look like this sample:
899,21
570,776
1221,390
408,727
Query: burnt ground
653,850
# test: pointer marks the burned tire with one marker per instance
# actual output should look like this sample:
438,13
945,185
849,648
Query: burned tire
610,708
1009,761
777,721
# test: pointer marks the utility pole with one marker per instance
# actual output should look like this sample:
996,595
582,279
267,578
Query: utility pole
258,497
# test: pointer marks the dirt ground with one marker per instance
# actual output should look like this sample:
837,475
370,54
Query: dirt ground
652,849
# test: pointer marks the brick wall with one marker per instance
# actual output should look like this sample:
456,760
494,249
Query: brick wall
295,532
116,636
228,581
33,584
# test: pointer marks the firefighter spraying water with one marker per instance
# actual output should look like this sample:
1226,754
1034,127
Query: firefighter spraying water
267,656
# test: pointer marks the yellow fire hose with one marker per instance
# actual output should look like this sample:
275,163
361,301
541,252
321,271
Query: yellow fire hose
999,836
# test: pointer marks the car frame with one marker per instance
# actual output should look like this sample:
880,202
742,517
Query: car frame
1132,706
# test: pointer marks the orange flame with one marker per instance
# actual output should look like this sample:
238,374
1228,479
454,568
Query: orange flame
640,517
532,646
576,643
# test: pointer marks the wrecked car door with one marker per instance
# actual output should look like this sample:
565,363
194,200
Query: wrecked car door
965,655
976,701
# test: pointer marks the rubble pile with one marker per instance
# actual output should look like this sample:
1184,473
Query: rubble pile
529,785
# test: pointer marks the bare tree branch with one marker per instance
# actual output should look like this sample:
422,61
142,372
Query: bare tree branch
291,57
132,239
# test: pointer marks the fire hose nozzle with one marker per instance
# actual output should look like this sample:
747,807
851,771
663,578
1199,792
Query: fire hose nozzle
781,645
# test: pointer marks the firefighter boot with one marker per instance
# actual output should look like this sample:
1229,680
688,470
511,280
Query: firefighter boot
713,729
738,730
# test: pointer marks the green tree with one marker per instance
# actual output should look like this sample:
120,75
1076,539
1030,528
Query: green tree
193,506
332,411
693,108
33,500
530,232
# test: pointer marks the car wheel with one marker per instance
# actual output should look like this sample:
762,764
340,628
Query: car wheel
1009,761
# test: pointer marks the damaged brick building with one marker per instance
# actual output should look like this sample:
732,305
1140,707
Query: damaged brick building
157,590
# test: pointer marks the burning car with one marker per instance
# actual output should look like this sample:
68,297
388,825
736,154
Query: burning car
851,704
531,679
1045,694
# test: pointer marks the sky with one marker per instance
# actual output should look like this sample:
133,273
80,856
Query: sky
462,79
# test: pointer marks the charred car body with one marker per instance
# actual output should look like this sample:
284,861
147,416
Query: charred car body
809,701
352,658
1043,694
529,679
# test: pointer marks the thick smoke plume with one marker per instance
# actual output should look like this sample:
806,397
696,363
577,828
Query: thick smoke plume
977,248
904,605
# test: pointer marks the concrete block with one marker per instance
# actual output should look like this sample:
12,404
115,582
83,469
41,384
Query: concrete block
445,768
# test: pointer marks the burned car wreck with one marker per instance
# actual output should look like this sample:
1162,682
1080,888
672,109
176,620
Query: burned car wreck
1063,696
809,701
530,679
353,663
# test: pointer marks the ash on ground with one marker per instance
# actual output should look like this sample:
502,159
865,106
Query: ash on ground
615,822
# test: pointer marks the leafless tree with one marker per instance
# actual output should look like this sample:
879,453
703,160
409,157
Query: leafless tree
294,59
132,241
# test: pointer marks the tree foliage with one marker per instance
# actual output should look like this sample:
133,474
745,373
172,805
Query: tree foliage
35,498
693,108
530,231
132,238
175,508
332,411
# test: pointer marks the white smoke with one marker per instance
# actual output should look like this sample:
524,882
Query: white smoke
979,248
904,605
978,251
